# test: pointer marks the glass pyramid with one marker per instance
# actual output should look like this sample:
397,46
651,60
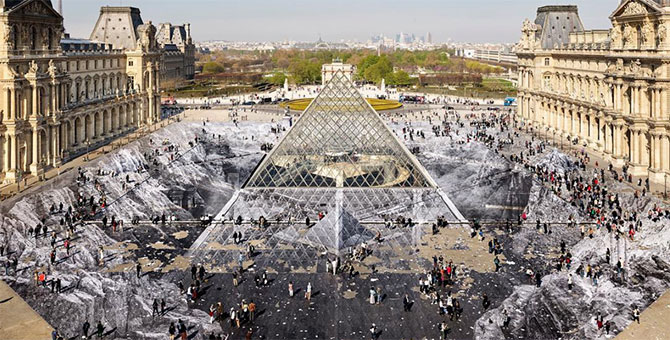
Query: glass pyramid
342,169
340,141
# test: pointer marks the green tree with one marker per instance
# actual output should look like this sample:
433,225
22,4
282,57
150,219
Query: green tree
277,78
212,67
305,72
380,70
400,78
365,64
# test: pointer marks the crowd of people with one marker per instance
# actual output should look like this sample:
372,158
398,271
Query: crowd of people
578,184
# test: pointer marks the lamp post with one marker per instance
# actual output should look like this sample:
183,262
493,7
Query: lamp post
553,138
665,186
88,146
19,174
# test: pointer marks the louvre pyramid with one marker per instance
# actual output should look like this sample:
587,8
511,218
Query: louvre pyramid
340,141
339,159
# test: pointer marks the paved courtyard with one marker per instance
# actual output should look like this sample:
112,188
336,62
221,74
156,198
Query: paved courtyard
169,173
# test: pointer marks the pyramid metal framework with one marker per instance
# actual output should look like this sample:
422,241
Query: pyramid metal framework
340,141
342,162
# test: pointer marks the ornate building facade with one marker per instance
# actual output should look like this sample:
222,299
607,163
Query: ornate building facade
329,70
178,51
604,89
118,26
60,97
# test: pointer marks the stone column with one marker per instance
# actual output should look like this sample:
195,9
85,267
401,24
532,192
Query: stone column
150,94
664,152
54,99
663,103
12,105
35,109
35,151
6,152
656,152
56,145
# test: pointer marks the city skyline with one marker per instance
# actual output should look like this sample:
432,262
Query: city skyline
262,20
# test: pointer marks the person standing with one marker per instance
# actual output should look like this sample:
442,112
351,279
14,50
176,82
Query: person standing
101,256
372,296
85,328
252,310
308,293
154,306
162,306
290,288
138,268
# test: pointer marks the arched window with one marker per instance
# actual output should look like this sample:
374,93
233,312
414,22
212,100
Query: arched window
15,38
50,38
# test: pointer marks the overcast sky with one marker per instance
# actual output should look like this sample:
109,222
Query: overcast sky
304,20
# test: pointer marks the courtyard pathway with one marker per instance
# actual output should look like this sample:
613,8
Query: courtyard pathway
19,321
653,324
31,182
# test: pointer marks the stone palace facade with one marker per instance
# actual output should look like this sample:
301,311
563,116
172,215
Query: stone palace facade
604,89
60,97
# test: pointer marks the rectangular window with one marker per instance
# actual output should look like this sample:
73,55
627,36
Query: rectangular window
130,63
546,61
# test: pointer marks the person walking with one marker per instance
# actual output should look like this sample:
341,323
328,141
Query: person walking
100,329
182,330
636,314
407,304
138,268
570,282
154,306
232,317
212,312
290,288
172,331
308,293
485,301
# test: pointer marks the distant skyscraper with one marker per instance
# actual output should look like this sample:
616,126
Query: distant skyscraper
429,38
